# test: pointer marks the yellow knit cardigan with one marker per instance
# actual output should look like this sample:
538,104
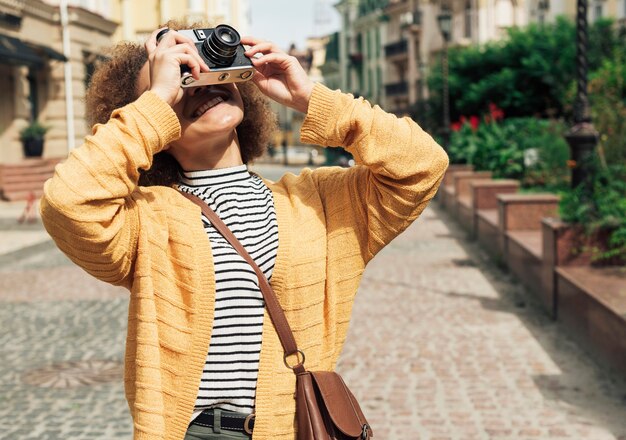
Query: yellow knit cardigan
331,222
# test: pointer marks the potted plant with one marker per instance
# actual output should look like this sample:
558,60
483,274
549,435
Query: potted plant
32,137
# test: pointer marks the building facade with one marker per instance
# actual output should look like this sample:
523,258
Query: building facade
138,18
409,37
329,66
35,77
361,39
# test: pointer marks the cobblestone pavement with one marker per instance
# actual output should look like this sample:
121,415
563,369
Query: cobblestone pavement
442,345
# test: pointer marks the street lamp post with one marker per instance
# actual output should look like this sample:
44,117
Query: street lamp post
582,137
445,26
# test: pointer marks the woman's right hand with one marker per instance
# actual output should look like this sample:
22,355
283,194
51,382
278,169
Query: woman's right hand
165,58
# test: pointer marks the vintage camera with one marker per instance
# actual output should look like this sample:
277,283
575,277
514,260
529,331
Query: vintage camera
221,49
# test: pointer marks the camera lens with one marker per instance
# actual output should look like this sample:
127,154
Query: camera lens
161,33
221,46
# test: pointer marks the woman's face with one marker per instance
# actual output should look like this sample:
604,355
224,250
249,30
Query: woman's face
208,115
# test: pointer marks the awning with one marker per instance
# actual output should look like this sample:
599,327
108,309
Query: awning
18,52
47,51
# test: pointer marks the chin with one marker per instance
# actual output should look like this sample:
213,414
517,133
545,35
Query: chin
224,116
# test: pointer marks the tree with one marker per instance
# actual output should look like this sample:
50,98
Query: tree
528,73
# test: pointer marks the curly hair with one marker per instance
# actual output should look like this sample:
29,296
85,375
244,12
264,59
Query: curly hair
114,85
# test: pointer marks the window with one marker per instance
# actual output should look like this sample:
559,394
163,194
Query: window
468,19
598,10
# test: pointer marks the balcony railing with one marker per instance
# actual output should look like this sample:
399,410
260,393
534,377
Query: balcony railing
398,48
395,89
356,58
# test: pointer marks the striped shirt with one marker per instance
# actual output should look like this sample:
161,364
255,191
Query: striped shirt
246,205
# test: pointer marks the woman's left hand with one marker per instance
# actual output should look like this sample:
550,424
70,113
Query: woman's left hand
279,75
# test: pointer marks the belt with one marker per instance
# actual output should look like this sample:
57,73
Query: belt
232,421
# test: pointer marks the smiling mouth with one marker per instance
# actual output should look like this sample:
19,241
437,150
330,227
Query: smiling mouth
207,106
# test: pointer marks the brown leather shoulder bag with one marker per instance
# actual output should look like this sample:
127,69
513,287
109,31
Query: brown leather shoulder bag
325,407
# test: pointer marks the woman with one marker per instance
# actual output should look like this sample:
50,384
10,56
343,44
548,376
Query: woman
201,355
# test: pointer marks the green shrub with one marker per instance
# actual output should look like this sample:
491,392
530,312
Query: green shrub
607,90
599,204
531,150
34,130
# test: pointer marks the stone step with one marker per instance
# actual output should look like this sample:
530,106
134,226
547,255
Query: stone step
25,179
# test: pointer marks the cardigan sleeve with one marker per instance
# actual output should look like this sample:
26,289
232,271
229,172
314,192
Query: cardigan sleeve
87,206
399,167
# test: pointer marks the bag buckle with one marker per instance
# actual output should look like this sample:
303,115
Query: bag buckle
299,355
365,433
246,424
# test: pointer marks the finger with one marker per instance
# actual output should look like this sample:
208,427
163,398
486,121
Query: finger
250,40
202,65
189,49
173,38
258,77
151,42
179,49
274,58
263,48
190,61
180,38
167,39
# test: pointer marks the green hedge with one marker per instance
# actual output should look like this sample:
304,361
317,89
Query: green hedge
531,150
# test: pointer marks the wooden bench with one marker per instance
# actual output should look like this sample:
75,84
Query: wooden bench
24,181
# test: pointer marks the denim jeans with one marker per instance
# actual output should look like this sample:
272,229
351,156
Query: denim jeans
198,432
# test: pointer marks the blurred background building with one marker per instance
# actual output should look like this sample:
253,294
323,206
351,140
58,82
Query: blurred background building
38,68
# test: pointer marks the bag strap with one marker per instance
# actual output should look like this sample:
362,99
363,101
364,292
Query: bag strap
274,309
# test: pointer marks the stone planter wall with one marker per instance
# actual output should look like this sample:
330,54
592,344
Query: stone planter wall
448,189
551,258
463,205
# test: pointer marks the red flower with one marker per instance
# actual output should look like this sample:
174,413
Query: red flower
496,112
456,126
474,122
